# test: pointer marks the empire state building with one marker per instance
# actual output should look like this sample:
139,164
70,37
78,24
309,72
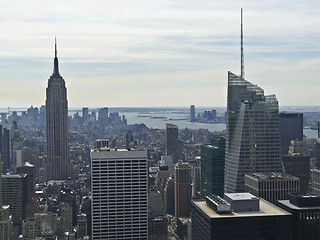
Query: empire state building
57,163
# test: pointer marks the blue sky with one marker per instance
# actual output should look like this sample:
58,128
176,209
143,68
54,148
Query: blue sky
158,53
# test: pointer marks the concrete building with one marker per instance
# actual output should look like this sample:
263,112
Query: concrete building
212,167
315,181
103,117
240,216
57,164
182,190
305,210
119,194
5,149
271,186
6,224
291,128
169,201
15,194
253,133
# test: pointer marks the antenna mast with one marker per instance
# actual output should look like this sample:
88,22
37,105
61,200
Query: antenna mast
242,58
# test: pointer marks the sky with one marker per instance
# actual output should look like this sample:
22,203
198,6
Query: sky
158,53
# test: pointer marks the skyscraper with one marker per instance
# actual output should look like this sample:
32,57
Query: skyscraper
291,128
253,131
182,190
57,165
212,167
5,145
192,113
119,186
172,143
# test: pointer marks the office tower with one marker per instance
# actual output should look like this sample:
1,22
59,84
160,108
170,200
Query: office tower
212,167
6,163
57,165
192,113
16,145
317,165
298,165
3,118
156,205
168,161
6,227
161,179
119,186
103,117
196,181
253,135
85,114
172,143
182,190
0,182
28,169
305,210
82,226
169,203
291,128
252,130
271,186
158,228
239,216
15,194
1,170
315,181
129,138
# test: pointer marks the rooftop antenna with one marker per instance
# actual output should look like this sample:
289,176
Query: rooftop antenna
242,58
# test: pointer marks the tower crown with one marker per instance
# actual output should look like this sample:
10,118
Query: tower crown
56,62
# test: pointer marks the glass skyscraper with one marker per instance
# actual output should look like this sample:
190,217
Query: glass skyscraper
253,133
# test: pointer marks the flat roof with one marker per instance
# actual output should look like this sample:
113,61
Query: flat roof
266,209
272,176
116,149
241,196
292,206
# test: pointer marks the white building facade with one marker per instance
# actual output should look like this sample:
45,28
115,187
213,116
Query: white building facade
119,186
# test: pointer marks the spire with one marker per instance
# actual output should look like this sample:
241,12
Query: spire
242,58
56,63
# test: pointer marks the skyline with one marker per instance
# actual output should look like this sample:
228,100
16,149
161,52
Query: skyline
164,54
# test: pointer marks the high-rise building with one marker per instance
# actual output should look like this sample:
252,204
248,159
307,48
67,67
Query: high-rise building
253,133
192,113
305,210
15,194
252,130
182,190
239,216
271,186
6,163
298,165
172,142
212,167
57,164
103,116
5,223
291,128
16,145
85,114
119,186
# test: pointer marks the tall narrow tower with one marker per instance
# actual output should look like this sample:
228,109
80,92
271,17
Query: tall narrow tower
253,131
57,165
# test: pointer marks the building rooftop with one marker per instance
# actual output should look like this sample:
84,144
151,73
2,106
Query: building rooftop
272,176
266,209
292,206
241,196
116,149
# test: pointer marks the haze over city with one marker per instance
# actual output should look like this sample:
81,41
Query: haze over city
159,53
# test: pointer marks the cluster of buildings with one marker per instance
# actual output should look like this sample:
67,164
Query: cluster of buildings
98,178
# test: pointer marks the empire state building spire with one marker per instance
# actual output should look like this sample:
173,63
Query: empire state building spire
56,63
57,162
